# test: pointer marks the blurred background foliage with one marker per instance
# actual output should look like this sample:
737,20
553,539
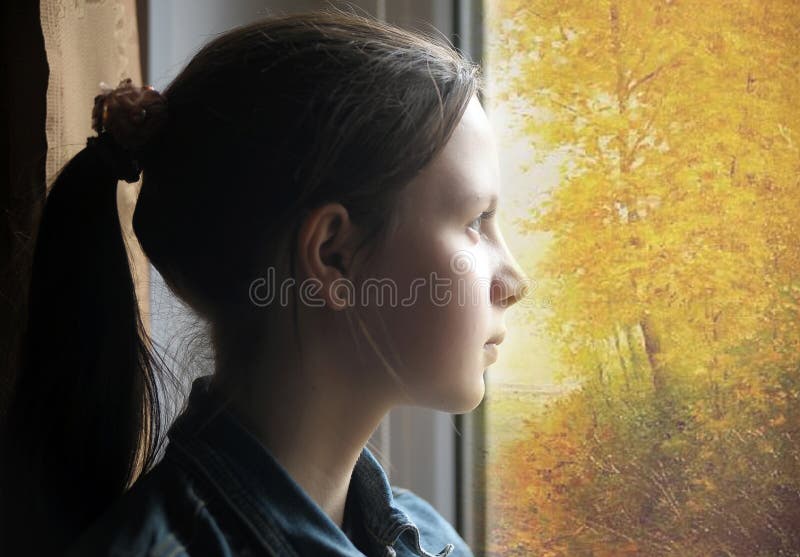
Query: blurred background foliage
672,272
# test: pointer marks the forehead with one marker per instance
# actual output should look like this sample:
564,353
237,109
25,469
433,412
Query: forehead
466,171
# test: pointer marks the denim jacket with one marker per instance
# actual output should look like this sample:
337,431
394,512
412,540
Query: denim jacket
219,491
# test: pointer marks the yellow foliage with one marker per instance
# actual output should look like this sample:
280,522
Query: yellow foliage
673,273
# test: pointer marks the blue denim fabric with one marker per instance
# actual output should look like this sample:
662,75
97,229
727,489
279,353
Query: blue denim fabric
218,491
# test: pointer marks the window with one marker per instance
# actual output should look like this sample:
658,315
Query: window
647,400
646,397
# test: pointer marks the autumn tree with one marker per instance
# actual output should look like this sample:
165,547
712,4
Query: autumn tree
673,269
678,120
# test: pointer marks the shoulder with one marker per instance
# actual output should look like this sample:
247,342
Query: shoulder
435,530
163,514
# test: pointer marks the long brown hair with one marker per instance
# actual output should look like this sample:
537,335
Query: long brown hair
265,122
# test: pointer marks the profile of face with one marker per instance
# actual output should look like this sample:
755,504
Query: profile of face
430,302
453,273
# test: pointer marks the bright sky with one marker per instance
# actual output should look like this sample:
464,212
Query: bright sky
525,355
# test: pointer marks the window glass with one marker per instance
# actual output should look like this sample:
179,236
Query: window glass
647,398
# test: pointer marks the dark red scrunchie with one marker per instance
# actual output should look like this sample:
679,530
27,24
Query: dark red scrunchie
126,118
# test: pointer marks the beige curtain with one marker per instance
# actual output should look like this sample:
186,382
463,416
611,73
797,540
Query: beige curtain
89,41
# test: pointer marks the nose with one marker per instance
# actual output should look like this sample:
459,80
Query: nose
510,284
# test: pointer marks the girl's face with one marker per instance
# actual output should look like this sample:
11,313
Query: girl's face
452,272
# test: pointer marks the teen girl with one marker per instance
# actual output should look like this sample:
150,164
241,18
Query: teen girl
327,148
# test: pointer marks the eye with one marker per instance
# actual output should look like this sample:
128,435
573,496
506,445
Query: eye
485,216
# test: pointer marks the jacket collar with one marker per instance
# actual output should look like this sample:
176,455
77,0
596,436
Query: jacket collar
212,442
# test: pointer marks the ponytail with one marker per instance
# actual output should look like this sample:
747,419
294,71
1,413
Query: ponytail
85,414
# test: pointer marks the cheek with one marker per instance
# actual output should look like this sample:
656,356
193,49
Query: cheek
443,315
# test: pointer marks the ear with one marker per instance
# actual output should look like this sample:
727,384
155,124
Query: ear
325,243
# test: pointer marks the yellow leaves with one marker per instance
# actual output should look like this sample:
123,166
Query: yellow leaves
765,447
748,391
677,200
705,483
778,420
700,371
706,454
694,506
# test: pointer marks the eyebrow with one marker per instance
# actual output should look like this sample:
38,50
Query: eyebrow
474,198
484,197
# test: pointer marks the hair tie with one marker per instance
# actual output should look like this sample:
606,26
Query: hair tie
126,119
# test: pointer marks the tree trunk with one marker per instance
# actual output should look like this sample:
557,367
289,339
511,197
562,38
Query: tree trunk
652,346
631,338
622,364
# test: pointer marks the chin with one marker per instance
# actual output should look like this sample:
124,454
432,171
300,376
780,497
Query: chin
465,399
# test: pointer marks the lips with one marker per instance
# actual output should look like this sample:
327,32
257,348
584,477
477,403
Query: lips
497,338
491,350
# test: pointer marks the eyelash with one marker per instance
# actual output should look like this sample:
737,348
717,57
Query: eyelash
487,215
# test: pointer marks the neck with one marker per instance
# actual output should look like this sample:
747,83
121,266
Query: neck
315,424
